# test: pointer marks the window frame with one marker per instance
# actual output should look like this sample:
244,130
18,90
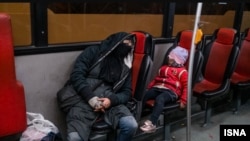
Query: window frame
39,27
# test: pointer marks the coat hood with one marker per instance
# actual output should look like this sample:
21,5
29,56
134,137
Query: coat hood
114,40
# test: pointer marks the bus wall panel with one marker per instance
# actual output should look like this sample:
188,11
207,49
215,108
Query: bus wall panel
42,76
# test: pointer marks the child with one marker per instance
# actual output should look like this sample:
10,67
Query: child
169,85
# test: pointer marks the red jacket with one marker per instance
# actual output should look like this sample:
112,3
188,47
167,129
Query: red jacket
172,78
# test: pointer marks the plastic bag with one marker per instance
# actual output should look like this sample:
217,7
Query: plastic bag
38,127
31,134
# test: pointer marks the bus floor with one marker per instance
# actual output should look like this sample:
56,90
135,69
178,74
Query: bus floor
221,116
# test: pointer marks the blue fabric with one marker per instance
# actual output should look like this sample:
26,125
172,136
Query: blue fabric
74,136
52,137
128,127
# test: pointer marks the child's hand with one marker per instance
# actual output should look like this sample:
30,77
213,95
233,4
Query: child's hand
182,106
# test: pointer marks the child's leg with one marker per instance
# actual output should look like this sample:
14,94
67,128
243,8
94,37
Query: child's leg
162,96
150,94
165,97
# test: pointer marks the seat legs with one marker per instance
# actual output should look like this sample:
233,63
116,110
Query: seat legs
208,112
167,132
237,101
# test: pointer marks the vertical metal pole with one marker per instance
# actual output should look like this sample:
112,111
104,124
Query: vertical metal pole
190,70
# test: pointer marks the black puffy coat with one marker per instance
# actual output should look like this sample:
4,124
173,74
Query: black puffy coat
87,84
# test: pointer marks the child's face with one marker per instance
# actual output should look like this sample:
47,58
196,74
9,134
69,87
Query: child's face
170,61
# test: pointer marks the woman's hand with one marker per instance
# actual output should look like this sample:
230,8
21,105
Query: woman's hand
105,102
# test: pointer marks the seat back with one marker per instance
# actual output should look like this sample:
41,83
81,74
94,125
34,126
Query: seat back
242,69
141,67
220,54
184,39
219,60
142,63
12,109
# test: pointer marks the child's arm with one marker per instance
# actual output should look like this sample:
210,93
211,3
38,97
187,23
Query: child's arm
184,83
151,84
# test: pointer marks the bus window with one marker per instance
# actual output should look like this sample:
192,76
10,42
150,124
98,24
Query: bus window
20,20
78,22
246,18
213,16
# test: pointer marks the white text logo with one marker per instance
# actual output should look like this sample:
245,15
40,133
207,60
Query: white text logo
234,132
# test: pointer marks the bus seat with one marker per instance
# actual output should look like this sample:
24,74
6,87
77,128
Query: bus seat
220,54
12,98
142,64
141,69
240,79
183,39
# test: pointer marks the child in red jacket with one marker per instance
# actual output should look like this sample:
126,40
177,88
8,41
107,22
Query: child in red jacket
169,85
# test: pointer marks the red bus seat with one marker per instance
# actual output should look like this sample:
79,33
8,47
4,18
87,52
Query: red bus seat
183,39
12,99
219,61
240,79
141,68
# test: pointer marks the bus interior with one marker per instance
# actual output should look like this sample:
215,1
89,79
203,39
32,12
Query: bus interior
40,40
